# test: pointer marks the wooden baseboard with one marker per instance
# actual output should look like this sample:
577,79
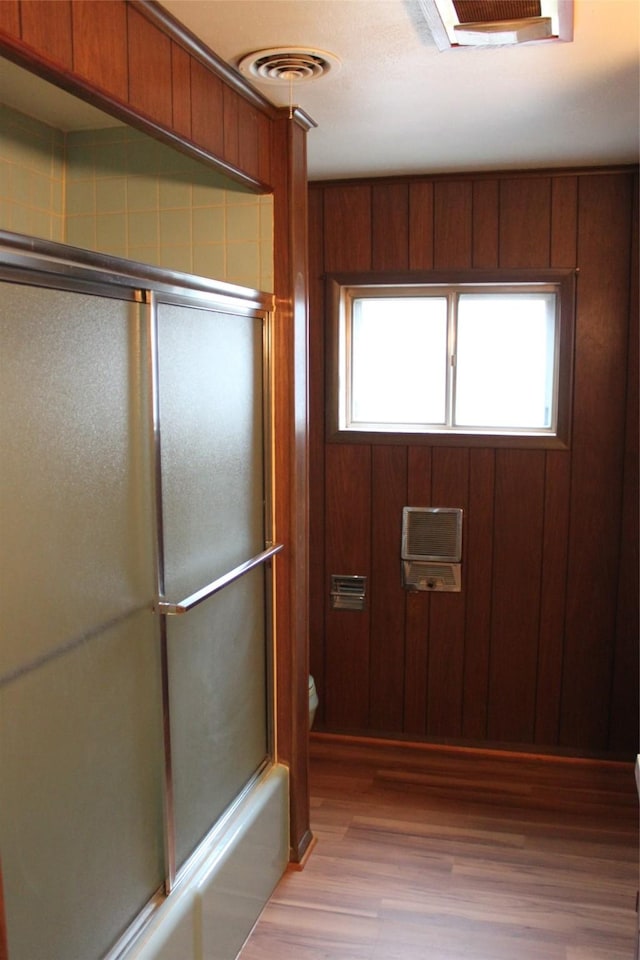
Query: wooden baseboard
301,864
422,751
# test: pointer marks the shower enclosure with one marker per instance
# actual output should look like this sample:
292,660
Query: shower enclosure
136,579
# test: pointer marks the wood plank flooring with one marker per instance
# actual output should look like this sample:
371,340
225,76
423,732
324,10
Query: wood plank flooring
451,854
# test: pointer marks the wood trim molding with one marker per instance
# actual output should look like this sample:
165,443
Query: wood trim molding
321,744
462,175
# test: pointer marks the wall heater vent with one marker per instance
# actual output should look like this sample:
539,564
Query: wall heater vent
432,533
431,548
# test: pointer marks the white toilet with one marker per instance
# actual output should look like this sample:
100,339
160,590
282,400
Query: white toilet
313,700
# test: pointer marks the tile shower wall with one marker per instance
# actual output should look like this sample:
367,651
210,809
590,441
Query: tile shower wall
124,194
31,176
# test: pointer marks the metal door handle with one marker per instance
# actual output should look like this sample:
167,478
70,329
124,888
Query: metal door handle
168,609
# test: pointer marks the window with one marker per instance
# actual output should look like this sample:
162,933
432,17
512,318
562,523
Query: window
475,358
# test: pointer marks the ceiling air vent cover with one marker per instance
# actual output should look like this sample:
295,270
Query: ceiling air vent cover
288,65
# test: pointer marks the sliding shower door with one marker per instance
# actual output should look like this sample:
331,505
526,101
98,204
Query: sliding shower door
211,419
134,594
81,765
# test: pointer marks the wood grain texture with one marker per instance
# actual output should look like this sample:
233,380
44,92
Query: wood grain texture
624,712
181,90
449,488
317,575
597,456
347,228
531,560
486,233
421,223
100,53
348,552
248,138
553,585
525,207
453,218
387,638
149,59
564,221
48,25
418,606
478,574
390,227
291,470
458,855
517,555
10,17
207,125
230,124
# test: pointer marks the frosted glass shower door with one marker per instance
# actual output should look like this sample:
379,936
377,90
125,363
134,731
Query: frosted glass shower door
211,415
81,765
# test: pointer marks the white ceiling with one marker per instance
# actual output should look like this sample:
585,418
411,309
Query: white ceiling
399,106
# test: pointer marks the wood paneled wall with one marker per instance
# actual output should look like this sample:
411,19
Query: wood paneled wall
540,647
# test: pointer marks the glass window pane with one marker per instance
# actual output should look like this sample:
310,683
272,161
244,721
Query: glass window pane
505,360
399,360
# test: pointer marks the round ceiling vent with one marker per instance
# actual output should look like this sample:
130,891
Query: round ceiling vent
288,64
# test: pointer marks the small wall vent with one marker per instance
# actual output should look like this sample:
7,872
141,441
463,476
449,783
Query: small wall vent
348,592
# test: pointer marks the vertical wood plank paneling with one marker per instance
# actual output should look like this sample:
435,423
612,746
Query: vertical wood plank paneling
421,226
100,45
449,488
519,504
317,578
230,125
347,228
485,223
564,221
553,596
525,208
48,25
180,90
265,149
531,660
207,128
387,599
476,582
453,204
10,17
417,606
604,224
564,217
149,58
390,226
248,145
624,700
348,548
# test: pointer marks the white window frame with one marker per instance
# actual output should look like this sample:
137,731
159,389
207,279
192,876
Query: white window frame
344,290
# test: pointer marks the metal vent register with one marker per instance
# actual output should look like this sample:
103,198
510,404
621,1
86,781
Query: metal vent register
431,548
348,592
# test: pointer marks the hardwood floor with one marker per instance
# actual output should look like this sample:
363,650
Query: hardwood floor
450,854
